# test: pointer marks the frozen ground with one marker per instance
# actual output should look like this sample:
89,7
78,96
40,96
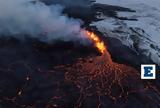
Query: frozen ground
143,34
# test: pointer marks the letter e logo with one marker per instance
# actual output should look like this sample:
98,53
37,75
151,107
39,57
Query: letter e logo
148,72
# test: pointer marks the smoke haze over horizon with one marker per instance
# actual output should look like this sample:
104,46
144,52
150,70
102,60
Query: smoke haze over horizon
36,19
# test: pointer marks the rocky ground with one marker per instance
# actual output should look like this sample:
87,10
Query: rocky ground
34,74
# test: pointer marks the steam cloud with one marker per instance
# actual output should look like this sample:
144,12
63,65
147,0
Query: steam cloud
37,20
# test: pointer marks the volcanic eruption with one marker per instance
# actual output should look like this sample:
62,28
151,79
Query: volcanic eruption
98,43
100,77
57,65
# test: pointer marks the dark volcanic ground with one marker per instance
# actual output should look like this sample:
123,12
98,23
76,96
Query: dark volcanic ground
28,67
33,73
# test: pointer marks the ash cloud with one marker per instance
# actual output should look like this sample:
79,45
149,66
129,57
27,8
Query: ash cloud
36,19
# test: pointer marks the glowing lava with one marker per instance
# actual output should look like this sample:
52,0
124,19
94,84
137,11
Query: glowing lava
98,43
103,77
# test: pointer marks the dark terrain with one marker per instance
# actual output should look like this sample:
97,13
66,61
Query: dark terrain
33,73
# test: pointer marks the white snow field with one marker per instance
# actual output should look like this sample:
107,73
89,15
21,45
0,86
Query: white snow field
142,35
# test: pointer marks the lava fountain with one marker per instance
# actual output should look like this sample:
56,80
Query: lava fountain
101,76
98,43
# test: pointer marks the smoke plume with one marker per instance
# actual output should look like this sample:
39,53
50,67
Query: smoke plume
35,19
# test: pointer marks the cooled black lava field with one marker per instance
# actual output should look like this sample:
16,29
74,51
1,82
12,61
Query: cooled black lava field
69,74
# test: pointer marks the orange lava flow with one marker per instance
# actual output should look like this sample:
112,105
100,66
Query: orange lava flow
98,43
99,76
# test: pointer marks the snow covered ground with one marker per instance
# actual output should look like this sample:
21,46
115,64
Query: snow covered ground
142,35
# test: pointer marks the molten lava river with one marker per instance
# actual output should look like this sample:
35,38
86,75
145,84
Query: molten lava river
88,82
112,84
